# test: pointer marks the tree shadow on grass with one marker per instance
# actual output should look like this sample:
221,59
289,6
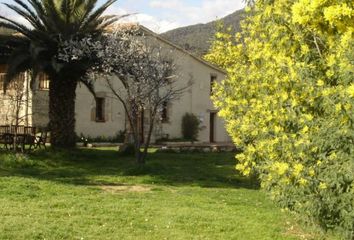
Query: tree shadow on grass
85,166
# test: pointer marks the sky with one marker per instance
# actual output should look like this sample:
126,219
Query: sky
164,15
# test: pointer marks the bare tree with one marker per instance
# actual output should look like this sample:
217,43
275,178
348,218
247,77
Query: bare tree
14,102
16,109
147,76
148,85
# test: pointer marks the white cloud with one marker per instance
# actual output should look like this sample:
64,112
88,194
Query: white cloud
149,21
153,23
208,10
172,4
177,13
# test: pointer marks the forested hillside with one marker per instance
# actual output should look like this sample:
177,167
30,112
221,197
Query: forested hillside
197,38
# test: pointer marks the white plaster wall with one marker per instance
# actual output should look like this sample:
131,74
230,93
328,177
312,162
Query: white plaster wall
85,112
196,99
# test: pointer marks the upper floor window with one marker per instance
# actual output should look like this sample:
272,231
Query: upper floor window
100,110
43,80
213,79
16,83
3,69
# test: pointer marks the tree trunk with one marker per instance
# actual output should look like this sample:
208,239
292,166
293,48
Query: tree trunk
148,140
137,138
141,159
62,96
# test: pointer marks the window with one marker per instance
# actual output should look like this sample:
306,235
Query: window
19,79
2,74
43,81
212,83
100,109
164,113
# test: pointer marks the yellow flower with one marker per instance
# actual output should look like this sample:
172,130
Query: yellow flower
333,156
303,181
338,107
330,73
298,169
284,96
305,49
305,129
281,167
240,167
241,157
348,106
335,13
285,181
326,92
270,177
277,129
350,91
320,83
247,171
322,186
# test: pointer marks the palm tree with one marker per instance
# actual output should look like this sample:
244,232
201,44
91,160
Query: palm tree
36,46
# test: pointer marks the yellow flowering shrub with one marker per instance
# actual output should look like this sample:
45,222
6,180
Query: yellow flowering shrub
288,102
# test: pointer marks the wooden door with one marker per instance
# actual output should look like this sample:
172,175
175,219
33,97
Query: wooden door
212,127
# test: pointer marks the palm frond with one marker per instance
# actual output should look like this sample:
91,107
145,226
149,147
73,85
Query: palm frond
40,12
54,17
9,26
20,27
87,24
32,20
33,14
52,20
19,62
66,8
87,9
106,21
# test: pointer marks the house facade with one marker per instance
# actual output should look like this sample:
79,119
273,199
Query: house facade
105,117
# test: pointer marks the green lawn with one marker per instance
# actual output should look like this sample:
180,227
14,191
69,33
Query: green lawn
97,194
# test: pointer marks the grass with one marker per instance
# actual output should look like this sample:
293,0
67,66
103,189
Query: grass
97,194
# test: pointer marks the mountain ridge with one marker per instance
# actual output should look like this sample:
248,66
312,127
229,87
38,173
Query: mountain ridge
198,38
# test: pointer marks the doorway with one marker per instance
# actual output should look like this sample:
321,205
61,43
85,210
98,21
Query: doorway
212,127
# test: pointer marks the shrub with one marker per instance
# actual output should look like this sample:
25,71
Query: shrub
127,150
118,138
190,127
288,102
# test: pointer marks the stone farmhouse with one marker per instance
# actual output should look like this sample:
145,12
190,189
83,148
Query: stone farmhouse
106,117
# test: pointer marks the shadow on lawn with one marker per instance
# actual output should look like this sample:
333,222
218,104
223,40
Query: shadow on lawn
85,166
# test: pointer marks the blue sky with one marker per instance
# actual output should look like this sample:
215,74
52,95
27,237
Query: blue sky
163,15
